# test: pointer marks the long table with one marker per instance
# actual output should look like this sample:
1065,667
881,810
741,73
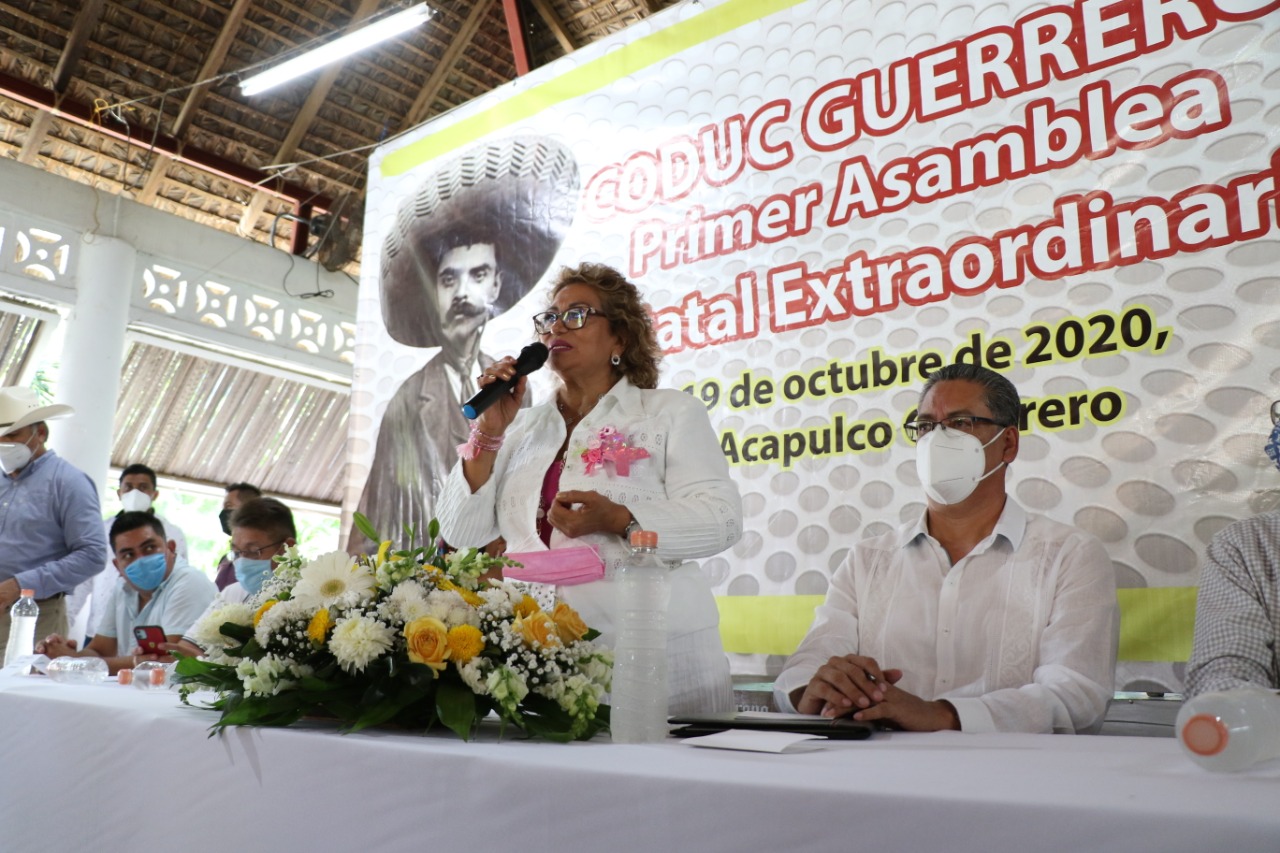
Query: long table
109,768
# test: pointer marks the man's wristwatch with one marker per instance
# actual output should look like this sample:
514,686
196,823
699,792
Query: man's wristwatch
632,527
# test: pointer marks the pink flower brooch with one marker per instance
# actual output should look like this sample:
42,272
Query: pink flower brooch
611,447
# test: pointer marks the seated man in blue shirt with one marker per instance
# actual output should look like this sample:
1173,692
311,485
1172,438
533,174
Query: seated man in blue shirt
51,535
159,589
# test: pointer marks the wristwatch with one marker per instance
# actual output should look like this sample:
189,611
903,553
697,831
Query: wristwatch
632,527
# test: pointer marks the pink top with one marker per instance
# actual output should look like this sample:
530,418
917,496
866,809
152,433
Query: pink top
550,487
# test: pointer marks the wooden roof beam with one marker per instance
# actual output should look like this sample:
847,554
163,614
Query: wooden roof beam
40,98
212,65
457,45
77,40
552,20
318,95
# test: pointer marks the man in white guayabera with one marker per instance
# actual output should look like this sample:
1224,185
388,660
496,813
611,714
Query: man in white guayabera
976,616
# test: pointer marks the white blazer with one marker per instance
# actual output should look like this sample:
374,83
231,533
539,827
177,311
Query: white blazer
682,491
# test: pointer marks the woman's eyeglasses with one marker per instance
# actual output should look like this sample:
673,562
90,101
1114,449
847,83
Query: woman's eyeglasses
573,318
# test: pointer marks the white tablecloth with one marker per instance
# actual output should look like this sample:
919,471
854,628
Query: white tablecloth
110,768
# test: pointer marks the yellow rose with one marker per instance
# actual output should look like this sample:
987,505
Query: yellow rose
465,642
538,628
262,611
319,626
569,624
427,640
527,607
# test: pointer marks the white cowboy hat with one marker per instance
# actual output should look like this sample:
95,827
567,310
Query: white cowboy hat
519,194
20,407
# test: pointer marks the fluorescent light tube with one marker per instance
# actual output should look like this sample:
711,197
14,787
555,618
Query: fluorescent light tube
339,48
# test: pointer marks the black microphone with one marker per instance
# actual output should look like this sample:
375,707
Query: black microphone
530,359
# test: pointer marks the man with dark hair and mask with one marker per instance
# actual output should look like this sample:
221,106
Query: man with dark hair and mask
238,494
159,588
137,492
261,530
1238,608
976,616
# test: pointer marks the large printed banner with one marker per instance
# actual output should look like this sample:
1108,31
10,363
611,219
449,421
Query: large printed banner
825,200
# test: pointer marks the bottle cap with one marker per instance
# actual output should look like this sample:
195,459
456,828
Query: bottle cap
1205,734
644,539
29,593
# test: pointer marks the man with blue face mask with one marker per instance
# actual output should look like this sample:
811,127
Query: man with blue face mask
1238,609
261,530
978,615
158,588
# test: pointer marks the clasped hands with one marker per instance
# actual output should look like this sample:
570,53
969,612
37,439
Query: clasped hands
577,513
857,686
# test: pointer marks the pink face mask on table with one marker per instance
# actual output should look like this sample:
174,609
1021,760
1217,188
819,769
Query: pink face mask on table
561,566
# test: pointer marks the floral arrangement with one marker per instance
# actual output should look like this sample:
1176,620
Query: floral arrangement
611,446
411,638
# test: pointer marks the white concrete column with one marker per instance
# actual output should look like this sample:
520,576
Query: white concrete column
92,354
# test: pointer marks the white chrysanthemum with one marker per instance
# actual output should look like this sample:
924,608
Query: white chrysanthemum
451,608
503,597
409,602
279,614
207,633
329,577
357,640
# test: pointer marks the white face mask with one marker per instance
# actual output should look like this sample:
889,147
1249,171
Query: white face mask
951,464
135,500
13,456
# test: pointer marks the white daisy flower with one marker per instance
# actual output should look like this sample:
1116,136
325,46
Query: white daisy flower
358,640
329,577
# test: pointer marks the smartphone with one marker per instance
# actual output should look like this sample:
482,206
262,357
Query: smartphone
150,637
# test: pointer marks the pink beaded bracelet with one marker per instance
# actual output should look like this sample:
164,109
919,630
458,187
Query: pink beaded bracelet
477,442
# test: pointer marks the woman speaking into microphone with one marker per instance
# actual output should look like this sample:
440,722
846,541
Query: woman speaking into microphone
610,453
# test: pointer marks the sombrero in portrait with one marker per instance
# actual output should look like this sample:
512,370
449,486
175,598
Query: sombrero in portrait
518,194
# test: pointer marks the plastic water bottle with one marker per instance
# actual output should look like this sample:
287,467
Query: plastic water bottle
152,675
77,670
638,699
22,627
1231,729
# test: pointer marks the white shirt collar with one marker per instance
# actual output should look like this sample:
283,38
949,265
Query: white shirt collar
1012,525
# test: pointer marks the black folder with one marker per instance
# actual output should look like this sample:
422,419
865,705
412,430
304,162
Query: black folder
841,728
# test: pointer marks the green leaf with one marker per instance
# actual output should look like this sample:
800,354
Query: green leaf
456,706
236,631
366,527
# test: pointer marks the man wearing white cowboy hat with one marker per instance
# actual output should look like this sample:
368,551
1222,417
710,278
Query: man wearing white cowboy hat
477,236
51,535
